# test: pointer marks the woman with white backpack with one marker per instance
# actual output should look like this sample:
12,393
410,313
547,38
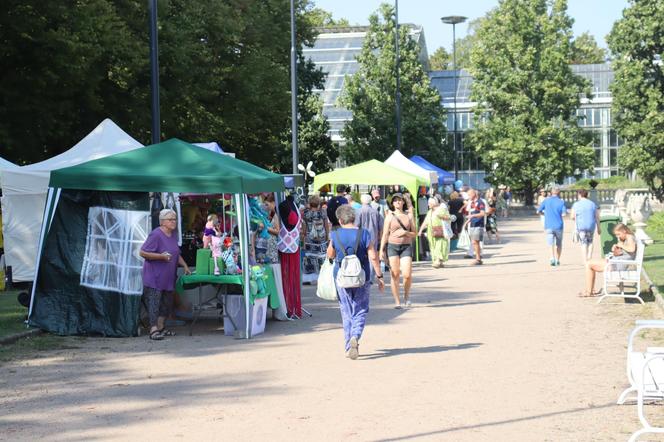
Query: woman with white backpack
353,252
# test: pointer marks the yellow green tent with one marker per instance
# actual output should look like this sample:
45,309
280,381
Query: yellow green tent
372,173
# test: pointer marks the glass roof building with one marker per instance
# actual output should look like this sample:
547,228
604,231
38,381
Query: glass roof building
594,115
334,52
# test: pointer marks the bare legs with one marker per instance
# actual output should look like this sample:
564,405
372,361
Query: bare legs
593,266
399,266
587,251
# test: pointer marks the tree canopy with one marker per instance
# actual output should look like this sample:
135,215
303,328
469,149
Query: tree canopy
638,90
224,75
527,131
440,60
370,95
585,50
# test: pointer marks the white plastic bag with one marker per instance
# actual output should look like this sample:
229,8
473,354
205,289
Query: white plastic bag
326,289
464,240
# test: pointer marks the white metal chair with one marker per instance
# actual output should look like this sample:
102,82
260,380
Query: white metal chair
645,372
621,273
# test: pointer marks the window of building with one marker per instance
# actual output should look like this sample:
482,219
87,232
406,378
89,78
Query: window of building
598,158
613,157
112,261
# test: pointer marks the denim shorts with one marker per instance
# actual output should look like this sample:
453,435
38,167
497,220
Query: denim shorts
476,233
554,237
400,250
586,236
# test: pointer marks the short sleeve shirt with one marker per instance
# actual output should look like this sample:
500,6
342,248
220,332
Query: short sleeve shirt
346,238
160,275
474,208
332,207
554,210
584,211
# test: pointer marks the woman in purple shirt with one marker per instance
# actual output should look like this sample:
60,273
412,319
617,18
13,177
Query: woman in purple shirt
162,256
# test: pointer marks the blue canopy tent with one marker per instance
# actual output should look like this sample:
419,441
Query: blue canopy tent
444,177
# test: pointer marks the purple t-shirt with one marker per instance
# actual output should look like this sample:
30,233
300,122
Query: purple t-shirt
157,274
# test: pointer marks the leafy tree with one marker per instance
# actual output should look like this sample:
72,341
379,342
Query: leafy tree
638,90
465,45
321,18
585,50
527,131
440,60
370,95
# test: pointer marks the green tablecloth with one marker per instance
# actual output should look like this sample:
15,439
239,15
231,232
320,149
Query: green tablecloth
190,281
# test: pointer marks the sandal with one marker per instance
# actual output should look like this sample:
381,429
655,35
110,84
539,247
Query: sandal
585,294
156,336
166,332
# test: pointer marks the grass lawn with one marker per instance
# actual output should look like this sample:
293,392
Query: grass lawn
12,314
653,261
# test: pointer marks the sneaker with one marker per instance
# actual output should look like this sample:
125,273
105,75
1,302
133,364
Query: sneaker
552,262
557,263
408,303
354,352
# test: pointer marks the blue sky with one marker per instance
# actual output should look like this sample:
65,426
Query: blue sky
595,16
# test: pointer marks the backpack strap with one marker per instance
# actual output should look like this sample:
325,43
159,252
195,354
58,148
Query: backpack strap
341,247
357,240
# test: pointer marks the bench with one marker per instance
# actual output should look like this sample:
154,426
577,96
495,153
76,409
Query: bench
645,373
621,273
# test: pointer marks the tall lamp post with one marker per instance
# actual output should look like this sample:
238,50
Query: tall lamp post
293,55
154,72
398,95
453,20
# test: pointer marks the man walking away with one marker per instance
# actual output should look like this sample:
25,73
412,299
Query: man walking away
553,209
334,203
369,219
476,212
585,213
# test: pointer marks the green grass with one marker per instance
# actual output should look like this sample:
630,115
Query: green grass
653,260
614,182
12,314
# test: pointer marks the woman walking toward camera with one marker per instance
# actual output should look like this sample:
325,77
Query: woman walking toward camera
434,224
398,233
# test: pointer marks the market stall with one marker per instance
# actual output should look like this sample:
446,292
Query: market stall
444,177
102,206
372,173
25,189
399,161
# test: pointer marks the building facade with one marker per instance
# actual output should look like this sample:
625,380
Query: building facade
335,52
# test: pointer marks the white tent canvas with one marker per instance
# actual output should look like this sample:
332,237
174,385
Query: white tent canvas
398,160
24,194
4,164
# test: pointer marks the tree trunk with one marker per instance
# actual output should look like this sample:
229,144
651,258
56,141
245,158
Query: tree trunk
529,195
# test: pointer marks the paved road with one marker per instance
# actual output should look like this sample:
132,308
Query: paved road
505,351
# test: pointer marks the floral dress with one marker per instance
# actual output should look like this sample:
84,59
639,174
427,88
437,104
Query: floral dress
315,244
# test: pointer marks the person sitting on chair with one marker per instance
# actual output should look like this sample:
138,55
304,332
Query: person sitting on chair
624,249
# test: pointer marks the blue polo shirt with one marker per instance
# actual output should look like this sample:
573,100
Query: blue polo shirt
474,208
554,210
584,211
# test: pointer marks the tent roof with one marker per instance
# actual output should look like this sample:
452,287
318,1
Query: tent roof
4,164
105,139
398,160
444,177
171,166
372,172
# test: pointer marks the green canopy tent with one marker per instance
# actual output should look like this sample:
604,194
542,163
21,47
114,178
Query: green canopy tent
63,300
372,172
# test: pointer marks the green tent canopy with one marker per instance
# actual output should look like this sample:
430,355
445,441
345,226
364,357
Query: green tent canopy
372,172
105,303
171,166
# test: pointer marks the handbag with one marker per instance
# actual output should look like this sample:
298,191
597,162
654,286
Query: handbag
436,231
326,289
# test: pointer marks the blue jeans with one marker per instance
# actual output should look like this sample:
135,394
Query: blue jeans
354,306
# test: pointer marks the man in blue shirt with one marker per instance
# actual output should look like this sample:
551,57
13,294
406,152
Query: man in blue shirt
554,209
334,203
585,213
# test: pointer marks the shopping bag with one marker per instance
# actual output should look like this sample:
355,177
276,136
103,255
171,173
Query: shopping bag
326,289
464,240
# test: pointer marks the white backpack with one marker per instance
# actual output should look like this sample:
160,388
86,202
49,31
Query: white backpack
351,274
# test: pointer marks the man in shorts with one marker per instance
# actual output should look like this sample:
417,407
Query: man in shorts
585,214
475,214
553,209
334,203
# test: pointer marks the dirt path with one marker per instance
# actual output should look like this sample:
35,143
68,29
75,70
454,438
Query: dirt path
505,351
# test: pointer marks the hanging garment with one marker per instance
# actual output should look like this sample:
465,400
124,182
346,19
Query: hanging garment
290,273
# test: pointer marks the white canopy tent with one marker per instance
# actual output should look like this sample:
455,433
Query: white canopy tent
24,192
398,160
4,164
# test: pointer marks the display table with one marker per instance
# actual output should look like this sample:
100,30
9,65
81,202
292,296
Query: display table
222,282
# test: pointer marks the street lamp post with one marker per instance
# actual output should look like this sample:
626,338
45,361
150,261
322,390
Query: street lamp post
293,61
154,72
453,20
398,94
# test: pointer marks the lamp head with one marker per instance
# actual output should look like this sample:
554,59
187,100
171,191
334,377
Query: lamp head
453,19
